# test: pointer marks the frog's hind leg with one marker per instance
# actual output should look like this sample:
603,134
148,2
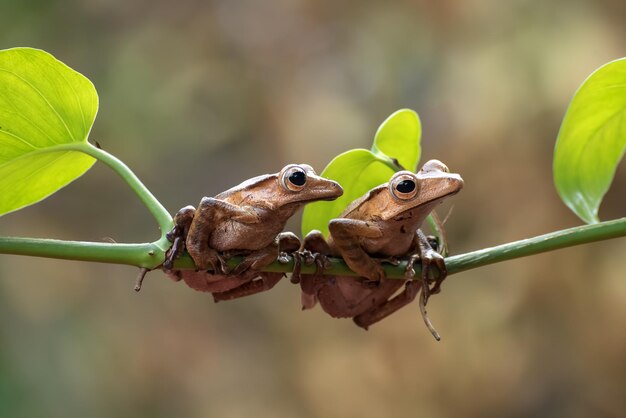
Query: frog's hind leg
379,312
346,234
285,243
210,213
264,282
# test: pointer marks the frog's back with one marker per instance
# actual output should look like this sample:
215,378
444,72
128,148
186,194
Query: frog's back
351,211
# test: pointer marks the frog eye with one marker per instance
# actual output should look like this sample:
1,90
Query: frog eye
404,186
435,165
294,178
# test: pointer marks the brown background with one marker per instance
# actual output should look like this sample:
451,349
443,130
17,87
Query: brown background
196,96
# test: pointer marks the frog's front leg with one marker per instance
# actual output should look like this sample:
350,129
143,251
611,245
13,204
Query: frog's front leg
428,257
178,235
314,249
346,234
212,212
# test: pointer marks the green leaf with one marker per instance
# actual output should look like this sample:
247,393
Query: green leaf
592,140
44,105
360,170
399,137
357,171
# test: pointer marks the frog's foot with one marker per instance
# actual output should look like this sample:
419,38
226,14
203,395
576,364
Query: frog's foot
210,259
174,252
255,261
314,242
394,261
422,304
379,312
430,259
299,258
307,257
322,263
287,243
409,273
264,282
371,271
178,235
283,257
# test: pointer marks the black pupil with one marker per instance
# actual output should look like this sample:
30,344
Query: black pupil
298,178
406,186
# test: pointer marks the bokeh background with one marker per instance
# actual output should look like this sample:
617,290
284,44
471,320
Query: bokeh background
196,96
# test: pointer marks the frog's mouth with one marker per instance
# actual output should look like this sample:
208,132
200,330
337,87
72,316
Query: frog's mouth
330,190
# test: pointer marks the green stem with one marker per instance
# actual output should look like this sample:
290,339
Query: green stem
458,263
542,243
160,214
148,255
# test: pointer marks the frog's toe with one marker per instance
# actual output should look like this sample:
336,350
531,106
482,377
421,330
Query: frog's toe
296,277
409,273
394,261
173,253
307,257
379,273
211,260
283,257
242,267
375,275
433,259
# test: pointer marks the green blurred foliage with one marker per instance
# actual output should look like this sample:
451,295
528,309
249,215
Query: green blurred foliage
198,95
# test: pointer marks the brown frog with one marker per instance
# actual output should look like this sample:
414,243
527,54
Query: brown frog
244,221
383,223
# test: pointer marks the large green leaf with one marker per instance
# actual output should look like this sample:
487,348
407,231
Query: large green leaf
44,106
360,170
592,140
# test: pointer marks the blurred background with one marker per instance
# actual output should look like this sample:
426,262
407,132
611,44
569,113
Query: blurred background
196,96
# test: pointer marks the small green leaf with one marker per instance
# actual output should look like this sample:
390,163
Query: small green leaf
399,137
592,140
357,171
360,170
44,105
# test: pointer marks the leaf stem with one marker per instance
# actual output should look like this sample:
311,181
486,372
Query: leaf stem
146,255
160,214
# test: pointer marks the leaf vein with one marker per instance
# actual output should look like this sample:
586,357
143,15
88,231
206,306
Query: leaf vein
43,97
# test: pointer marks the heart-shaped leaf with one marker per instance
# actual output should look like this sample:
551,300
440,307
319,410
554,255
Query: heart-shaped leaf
359,170
399,137
592,140
44,105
